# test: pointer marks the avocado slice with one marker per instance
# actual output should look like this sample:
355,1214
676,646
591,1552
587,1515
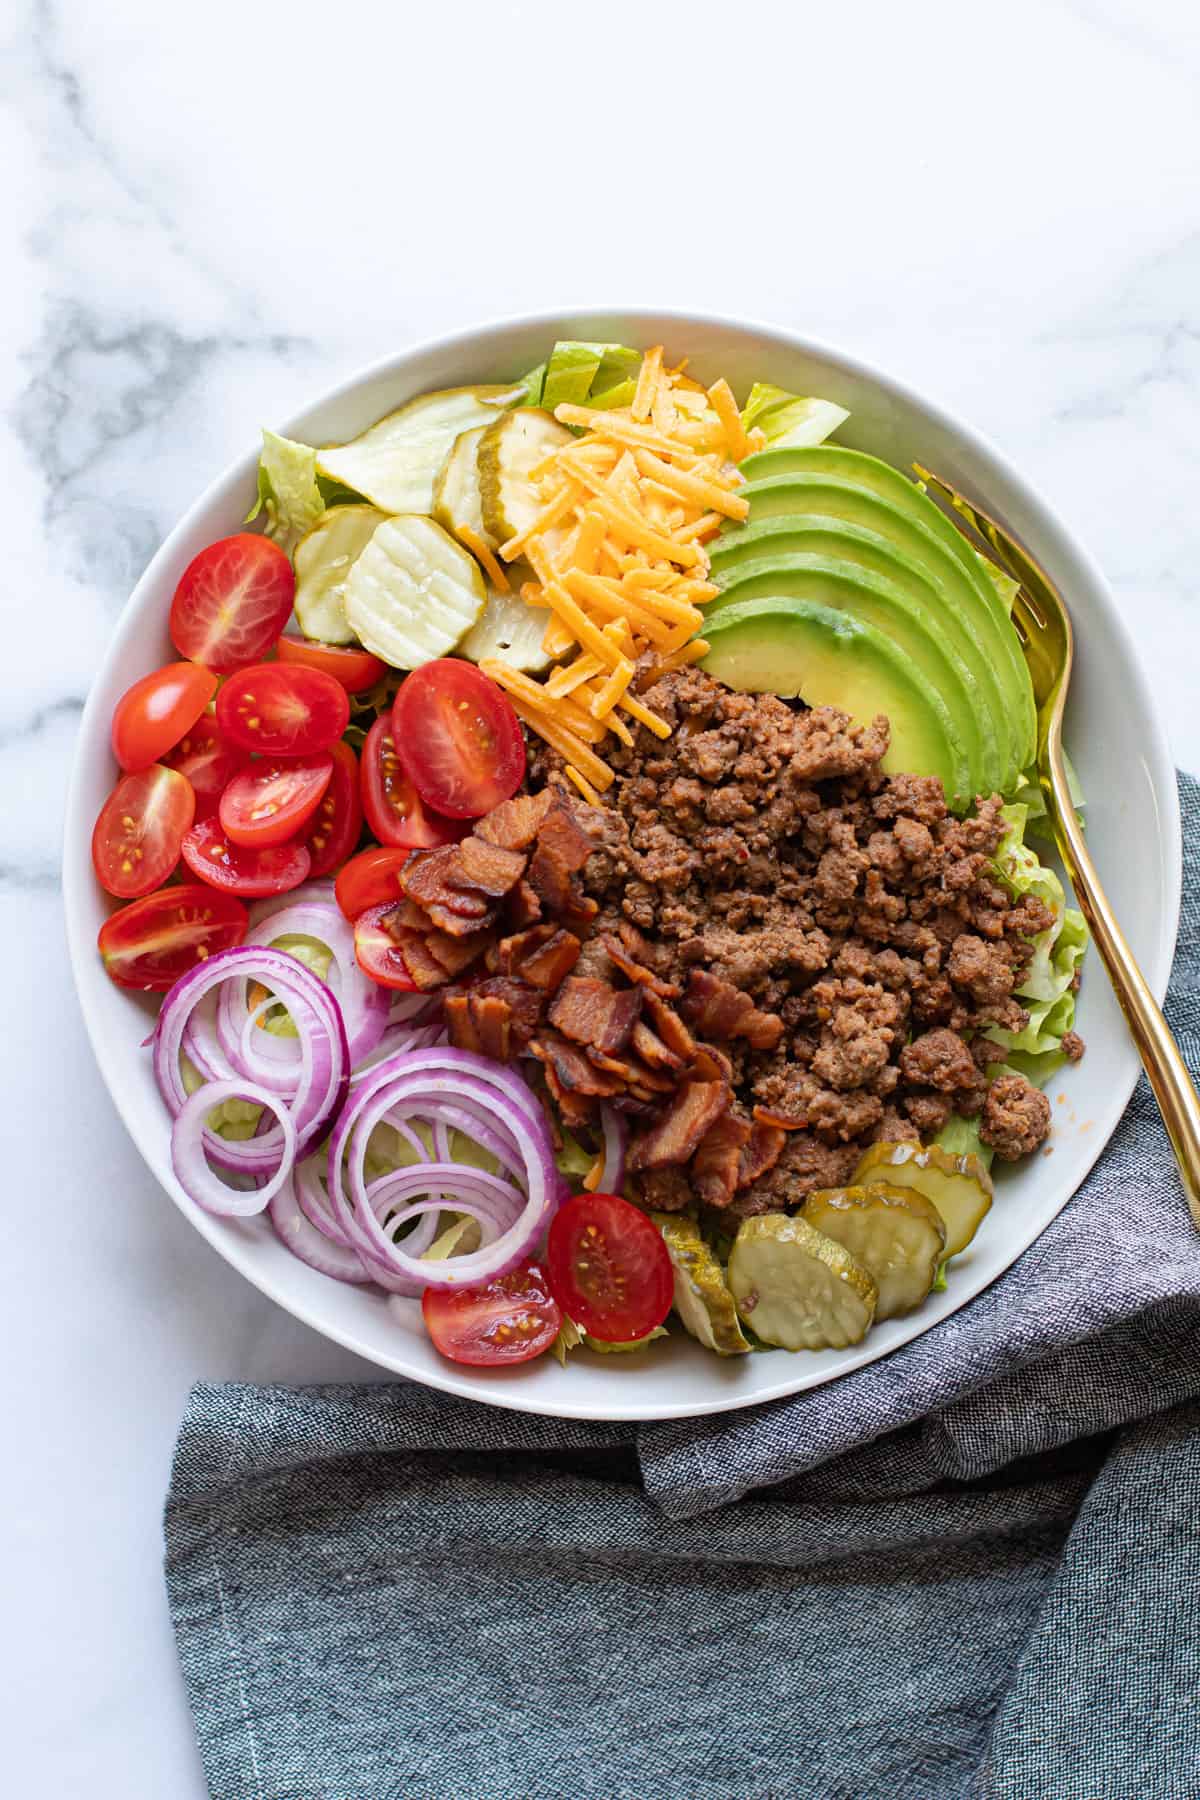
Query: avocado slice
793,646
886,483
900,612
937,598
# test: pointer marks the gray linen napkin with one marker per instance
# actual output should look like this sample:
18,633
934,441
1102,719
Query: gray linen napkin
972,1570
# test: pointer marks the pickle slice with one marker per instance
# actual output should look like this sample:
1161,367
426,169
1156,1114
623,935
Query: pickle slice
702,1297
508,451
456,501
959,1186
795,1287
508,631
413,592
396,462
323,561
896,1234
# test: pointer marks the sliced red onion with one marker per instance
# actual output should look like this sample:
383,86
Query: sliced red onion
312,912
300,1236
191,1165
424,1085
616,1139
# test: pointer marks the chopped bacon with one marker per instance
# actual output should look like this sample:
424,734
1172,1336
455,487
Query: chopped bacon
480,1022
762,1151
670,1027
543,955
514,824
650,1048
592,1012
562,848
423,967
455,953
710,1064
522,906
716,1166
561,833
524,1002
720,1010
429,877
780,1121
490,868
634,971
572,1069
674,1137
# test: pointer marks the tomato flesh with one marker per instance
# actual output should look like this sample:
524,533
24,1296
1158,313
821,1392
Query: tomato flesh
152,715
355,669
458,737
209,763
336,826
270,802
280,711
609,1268
274,869
378,953
139,832
391,802
509,1320
232,602
372,878
152,942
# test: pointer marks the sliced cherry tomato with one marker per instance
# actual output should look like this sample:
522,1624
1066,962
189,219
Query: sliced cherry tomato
336,826
278,711
391,802
458,738
509,1320
232,602
138,835
209,763
372,878
355,669
153,714
378,952
270,801
275,869
609,1268
151,943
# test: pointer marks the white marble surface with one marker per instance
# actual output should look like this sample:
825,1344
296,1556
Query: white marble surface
209,213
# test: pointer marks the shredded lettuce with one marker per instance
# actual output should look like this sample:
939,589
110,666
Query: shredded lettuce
573,1159
790,419
569,1338
583,375
960,1137
288,491
458,1239
607,1349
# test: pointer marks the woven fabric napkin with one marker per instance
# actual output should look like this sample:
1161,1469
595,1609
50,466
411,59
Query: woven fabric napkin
971,1570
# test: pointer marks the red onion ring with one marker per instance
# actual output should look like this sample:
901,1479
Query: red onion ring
190,1163
297,1233
616,1140
366,1007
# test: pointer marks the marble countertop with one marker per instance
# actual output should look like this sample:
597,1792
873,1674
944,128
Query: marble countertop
208,216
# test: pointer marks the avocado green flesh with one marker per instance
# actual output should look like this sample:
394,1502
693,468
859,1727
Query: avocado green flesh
795,647
886,483
776,539
901,615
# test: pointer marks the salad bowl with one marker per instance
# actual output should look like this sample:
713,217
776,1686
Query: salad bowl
1116,741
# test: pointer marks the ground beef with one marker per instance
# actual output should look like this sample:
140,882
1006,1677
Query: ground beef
763,845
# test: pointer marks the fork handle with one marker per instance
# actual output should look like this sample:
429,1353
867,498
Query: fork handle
1168,1075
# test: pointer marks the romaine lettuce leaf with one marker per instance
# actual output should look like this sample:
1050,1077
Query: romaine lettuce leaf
583,374
790,419
960,1137
287,490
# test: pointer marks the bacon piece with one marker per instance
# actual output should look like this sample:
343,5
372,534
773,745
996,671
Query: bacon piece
634,971
650,1048
543,955
455,953
572,1069
524,1002
780,1121
489,868
670,1027
592,1012
480,1022
423,966
674,1137
522,906
429,878
562,848
721,1010
762,1151
716,1165
710,1064
514,824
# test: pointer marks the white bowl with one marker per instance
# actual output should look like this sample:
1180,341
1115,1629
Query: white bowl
1114,736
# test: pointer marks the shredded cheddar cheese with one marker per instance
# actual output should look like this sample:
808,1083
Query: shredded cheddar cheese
621,517
485,558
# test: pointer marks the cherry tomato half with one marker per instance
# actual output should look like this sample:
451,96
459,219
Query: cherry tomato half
269,802
336,826
232,602
152,715
378,952
275,869
372,878
509,1320
458,738
609,1268
151,943
138,835
391,802
279,711
355,669
209,763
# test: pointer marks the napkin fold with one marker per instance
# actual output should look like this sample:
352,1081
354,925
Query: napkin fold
970,1570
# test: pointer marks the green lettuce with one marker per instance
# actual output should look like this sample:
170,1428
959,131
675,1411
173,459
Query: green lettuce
789,419
288,490
607,1349
960,1137
582,374
234,1119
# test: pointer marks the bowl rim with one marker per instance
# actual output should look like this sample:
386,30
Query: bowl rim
77,830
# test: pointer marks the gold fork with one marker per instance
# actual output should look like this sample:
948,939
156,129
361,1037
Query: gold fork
1044,628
